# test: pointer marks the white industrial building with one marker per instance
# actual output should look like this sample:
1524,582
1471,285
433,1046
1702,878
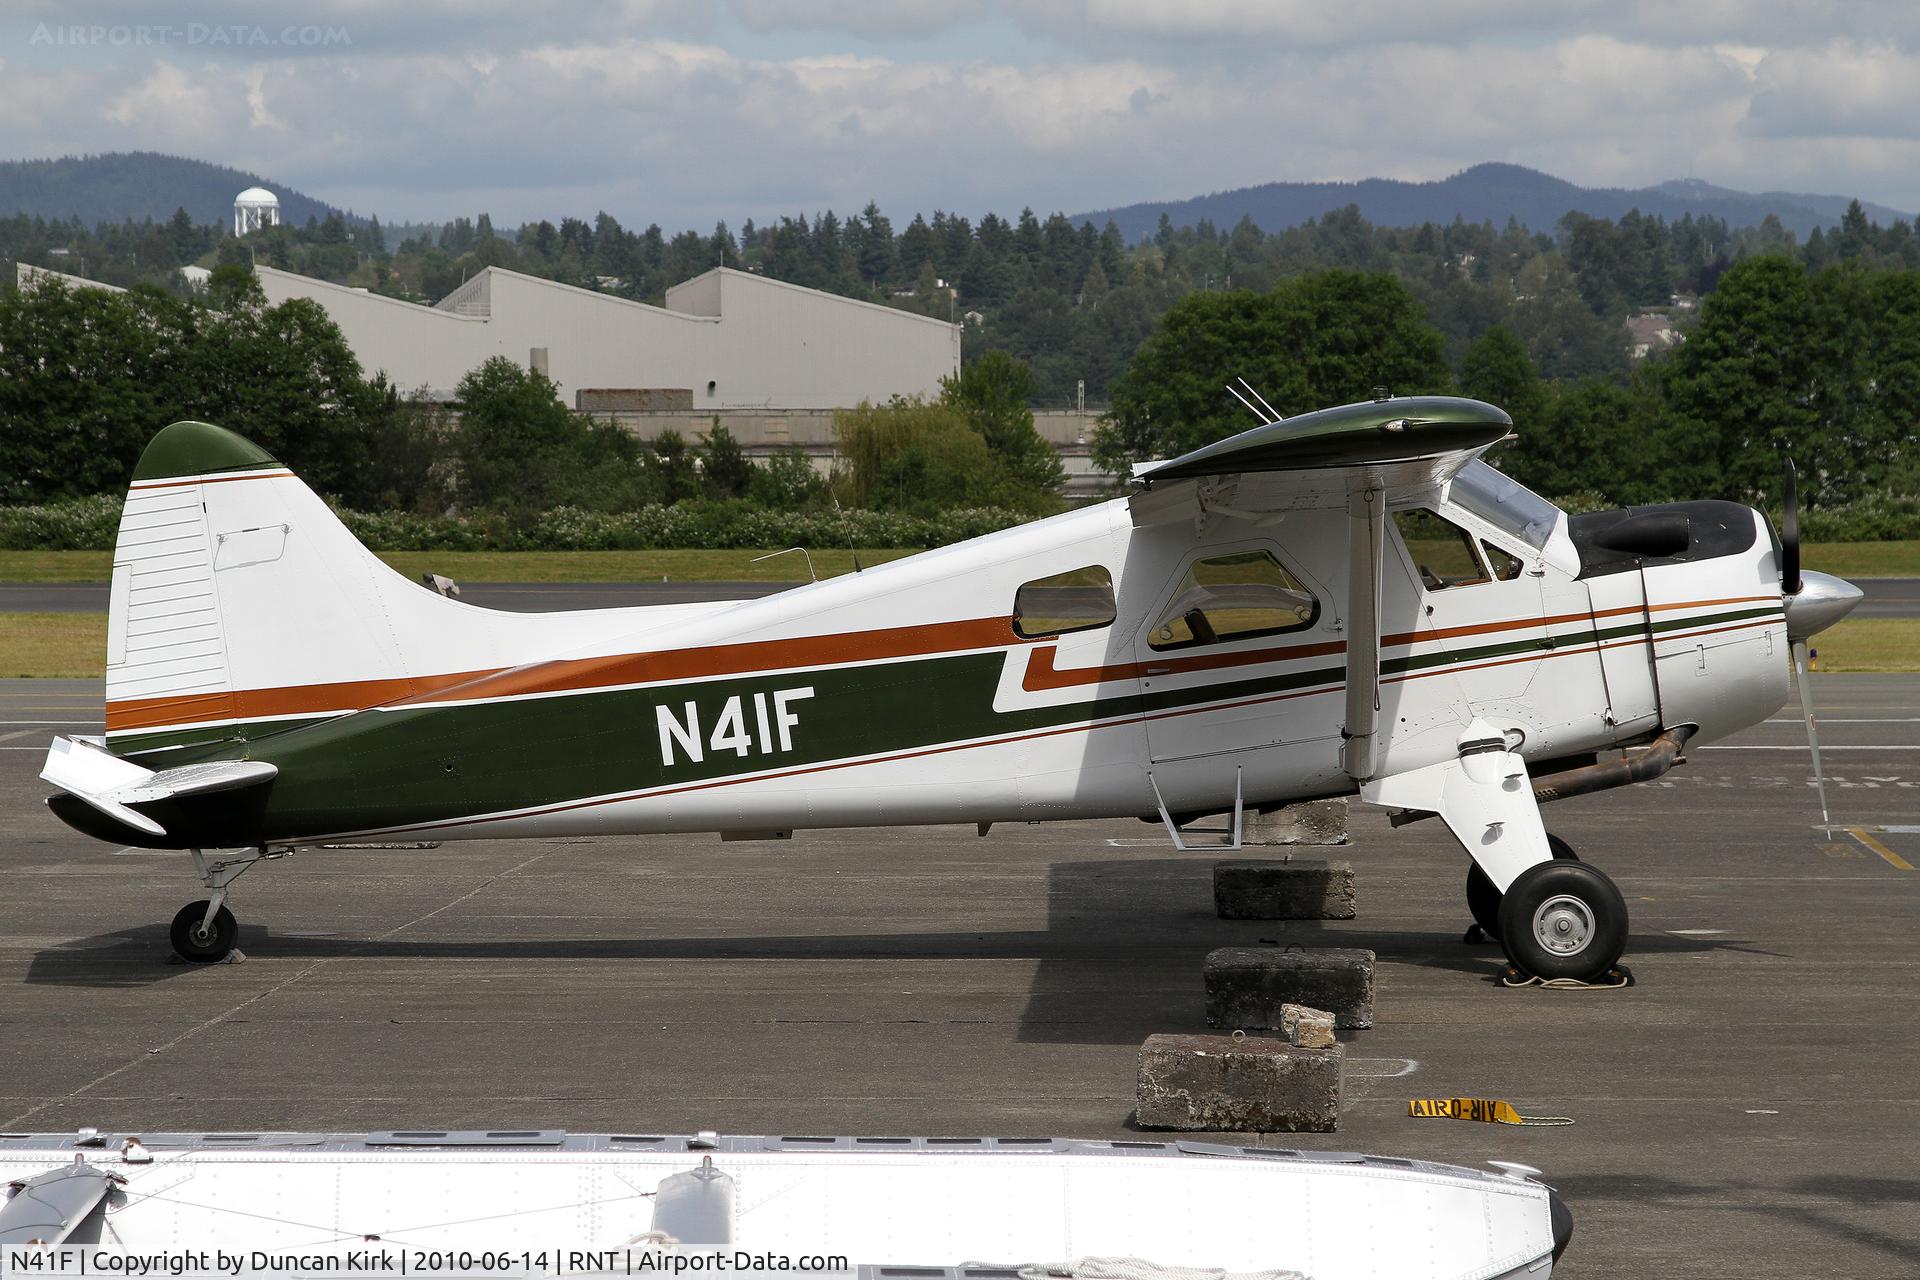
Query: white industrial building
725,340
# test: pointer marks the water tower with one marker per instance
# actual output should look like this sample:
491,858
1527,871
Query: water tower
254,208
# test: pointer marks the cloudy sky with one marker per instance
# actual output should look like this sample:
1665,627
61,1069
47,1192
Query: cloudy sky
687,111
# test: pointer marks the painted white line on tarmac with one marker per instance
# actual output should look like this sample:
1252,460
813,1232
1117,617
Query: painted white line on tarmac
1861,720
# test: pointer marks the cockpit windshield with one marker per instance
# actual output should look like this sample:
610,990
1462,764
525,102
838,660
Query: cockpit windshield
1506,504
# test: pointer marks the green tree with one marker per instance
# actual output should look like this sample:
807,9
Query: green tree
1742,390
78,395
514,433
1497,370
993,393
723,464
674,467
1589,445
787,481
924,458
1322,339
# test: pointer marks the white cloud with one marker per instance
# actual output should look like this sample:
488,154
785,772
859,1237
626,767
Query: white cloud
169,100
1843,90
655,110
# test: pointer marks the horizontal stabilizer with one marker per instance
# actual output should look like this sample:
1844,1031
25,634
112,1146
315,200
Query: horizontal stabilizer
110,784
197,779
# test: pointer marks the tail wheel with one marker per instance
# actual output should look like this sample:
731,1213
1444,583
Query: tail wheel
1563,920
200,941
1483,900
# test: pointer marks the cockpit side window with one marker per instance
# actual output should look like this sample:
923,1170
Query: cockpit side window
1445,555
1505,565
1233,597
1077,600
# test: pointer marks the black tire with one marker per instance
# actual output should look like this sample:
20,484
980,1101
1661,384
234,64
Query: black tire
1483,900
1563,920
201,945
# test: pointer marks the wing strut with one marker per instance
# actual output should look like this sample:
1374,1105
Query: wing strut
1366,537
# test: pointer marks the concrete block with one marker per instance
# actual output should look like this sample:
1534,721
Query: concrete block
1306,1028
1247,1085
1247,986
1315,822
1283,889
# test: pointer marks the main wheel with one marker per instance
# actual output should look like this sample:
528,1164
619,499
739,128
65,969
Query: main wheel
200,942
1483,900
1563,920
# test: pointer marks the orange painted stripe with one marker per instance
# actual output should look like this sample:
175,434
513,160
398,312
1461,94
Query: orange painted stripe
575,674
175,484
1521,624
1043,675
249,704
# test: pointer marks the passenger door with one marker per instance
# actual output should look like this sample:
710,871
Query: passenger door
1232,658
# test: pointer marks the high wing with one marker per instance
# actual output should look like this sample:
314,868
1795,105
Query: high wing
1356,457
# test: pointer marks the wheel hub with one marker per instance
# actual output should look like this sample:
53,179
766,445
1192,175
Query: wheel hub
1563,925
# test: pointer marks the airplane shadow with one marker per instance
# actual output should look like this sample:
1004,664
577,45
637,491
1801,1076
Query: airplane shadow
1119,958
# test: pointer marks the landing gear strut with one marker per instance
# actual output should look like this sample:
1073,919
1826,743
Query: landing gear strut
204,932
1483,900
1558,917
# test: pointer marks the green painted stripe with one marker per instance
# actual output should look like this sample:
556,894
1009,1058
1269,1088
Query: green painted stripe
136,743
422,765
1545,643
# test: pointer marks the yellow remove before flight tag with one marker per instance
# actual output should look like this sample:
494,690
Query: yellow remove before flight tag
1484,1110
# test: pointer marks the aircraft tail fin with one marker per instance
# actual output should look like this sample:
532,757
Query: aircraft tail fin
241,604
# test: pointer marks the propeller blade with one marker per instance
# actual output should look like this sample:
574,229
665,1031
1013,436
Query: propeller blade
1800,674
1790,534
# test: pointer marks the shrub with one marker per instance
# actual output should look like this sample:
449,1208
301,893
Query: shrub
76,524
90,524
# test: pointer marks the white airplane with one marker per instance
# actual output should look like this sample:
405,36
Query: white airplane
1348,601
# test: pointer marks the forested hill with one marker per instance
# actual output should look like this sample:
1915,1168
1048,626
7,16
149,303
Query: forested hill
123,186
1486,192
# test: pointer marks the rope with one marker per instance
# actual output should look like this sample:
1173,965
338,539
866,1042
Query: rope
1617,978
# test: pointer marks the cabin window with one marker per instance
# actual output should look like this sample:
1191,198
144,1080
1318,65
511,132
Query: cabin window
1231,598
1505,566
1077,600
1443,553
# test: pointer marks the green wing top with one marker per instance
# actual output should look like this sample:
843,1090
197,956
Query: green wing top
1352,435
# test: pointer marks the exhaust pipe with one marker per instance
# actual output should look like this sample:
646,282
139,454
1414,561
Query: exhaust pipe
1643,765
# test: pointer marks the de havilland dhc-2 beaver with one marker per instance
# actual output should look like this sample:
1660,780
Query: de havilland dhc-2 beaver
1350,601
